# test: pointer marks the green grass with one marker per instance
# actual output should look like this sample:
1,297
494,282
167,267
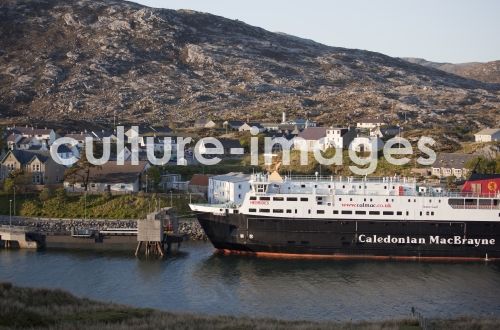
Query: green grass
131,206
23,308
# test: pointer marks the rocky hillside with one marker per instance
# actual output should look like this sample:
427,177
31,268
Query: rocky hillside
94,59
487,72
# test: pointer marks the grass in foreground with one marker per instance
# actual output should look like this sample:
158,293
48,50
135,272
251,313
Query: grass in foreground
130,206
40,308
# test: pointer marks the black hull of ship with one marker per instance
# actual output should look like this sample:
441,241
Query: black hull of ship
273,236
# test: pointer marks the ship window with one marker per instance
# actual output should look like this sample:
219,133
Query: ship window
350,199
288,211
295,211
320,211
385,187
409,200
304,199
291,242
279,199
359,187
371,199
315,186
399,213
252,210
364,199
374,213
302,185
309,211
253,198
432,213
236,211
420,213
291,199
407,213
427,213
346,212
337,212
264,210
277,211
343,187
387,213
360,212
340,199
265,198
329,186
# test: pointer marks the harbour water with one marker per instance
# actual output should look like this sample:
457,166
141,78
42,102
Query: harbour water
196,280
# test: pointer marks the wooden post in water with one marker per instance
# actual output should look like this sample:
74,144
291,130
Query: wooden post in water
151,232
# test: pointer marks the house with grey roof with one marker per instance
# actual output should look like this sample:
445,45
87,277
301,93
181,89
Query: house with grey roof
37,165
311,138
110,177
488,135
451,164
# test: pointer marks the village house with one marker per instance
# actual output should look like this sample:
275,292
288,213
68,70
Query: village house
451,164
204,123
37,165
232,125
78,137
246,127
370,123
488,135
228,188
365,143
340,137
199,184
109,177
41,135
311,138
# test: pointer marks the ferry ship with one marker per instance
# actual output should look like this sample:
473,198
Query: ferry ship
388,217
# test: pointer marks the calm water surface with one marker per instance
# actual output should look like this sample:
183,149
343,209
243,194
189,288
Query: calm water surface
196,280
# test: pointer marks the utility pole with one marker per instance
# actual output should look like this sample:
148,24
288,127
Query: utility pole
10,213
14,200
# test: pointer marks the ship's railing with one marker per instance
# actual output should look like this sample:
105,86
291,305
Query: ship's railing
331,178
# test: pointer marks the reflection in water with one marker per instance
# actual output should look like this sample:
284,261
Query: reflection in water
197,280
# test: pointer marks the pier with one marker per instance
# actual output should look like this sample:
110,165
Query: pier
19,237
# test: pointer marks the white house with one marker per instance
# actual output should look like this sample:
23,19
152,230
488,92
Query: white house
370,123
340,137
228,188
488,135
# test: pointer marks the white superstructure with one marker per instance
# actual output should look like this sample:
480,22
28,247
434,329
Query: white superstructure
388,198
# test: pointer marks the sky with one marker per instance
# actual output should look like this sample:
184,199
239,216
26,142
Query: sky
453,31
